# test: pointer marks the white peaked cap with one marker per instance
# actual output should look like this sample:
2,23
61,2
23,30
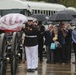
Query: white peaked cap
30,18
34,19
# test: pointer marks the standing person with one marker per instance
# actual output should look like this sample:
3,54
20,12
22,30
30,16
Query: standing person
41,29
48,39
31,45
62,34
56,50
68,40
74,43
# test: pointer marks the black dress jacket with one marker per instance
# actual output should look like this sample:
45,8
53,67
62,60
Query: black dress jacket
31,33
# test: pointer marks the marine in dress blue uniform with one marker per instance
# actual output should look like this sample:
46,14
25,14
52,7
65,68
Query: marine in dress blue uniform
31,45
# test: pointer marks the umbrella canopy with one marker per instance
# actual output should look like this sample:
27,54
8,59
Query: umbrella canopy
39,17
12,22
71,12
61,16
73,22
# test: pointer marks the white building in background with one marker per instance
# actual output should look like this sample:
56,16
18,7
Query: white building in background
24,7
43,7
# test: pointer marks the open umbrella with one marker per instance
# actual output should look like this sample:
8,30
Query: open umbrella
39,17
61,16
71,12
73,22
12,22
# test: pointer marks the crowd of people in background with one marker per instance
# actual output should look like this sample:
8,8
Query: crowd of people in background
61,36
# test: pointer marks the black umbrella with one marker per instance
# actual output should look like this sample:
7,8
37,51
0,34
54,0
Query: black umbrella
61,16
71,12
39,17
73,22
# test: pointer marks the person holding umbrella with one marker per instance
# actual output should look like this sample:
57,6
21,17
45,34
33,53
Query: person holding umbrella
62,34
68,40
31,45
48,40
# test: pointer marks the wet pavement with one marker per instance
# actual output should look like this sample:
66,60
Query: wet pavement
48,69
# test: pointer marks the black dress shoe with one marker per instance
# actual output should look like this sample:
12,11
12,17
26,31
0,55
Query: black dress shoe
36,69
28,70
32,70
